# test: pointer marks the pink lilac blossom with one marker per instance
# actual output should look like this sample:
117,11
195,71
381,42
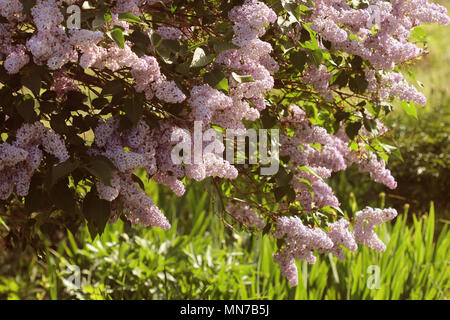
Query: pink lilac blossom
377,170
62,84
319,78
335,21
301,240
206,100
366,221
340,233
394,85
19,161
141,153
170,33
133,6
50,44
250,21
6,39
11,10
16,60
138,207
385,47
333,155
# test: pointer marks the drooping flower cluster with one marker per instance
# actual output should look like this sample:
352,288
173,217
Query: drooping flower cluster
62,83
366,221
301,240
333,155
319,78
379,34
123,191
12,10
19,160
170,33
251,59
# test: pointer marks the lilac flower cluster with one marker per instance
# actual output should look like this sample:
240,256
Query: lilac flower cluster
366,221
332,155
19,160
62,83
319,78
124,192
383,47
170,33
300,241
251,59
12,10
150,149
53,46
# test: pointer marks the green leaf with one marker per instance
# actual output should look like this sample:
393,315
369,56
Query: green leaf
99,19
200,58
134,108
358,84
128,17
283,178
268,120
396,153
101,168
419,33
27,5
216,79
138,181
62,170
341,115
97,212
340,79
293,9
352,129
155,39
35,199
172,45
112,88
99,103
63,197
223,46
317,57
310,171
370,124
26,109
298,59
280,192
108,17
117,35
242,78
32,81
410,109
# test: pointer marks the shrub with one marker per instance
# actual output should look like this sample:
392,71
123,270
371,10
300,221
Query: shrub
87,100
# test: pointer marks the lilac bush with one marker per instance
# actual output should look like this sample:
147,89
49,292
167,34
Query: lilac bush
84,109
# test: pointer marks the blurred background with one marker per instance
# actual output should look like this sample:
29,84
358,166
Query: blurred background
199,258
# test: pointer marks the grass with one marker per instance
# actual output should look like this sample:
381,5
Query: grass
203,260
